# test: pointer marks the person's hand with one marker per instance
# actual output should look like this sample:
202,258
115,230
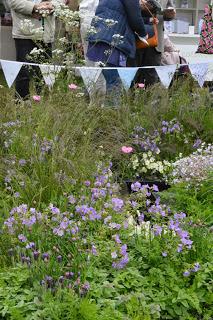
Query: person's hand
44,6
169,13
154,20
144,39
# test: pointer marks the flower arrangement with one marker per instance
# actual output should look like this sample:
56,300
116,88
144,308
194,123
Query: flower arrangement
150,154
144,158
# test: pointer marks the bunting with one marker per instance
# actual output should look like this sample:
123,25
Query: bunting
11,70
49,73
199,72
90,77
127,75
166,73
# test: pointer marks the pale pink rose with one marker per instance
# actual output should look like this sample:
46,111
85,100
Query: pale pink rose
72,86
141,85
126,149
37,98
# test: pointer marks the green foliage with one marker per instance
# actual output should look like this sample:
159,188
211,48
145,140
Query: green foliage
77,136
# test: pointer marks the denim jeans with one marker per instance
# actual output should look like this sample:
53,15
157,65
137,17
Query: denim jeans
23,49
113,86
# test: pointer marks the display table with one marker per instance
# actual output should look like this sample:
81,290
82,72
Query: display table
188,44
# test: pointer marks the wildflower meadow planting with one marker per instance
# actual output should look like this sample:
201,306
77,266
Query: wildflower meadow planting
105,210
75,242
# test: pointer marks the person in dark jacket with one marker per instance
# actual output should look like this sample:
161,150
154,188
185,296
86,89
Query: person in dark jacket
152,56
112,36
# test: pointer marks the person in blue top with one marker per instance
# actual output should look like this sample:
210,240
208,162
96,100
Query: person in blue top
112,37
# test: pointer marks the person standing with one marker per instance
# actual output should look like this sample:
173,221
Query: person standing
112,40
152,56
27,21
87,10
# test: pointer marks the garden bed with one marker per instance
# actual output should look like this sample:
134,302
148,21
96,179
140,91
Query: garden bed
73,245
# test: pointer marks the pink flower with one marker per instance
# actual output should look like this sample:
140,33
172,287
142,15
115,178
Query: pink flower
37,98
126,149
141,85
72,86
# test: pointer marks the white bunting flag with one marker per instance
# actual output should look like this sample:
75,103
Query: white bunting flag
199,72
127,75
11,70
90,76
166,73
49,73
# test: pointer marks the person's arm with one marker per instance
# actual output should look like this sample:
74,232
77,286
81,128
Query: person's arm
134,17
22,6
28,7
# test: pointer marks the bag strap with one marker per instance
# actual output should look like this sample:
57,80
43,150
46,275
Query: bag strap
148,10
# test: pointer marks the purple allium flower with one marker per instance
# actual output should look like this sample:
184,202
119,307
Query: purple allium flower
22,238
59,258
36,255
85,287
45,256
69,275
61,279
49,281
186,273
164,254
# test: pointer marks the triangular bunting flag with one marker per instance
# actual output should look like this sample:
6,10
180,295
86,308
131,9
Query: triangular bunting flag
11,70
199,72
166,73
90,76
127,75
49,73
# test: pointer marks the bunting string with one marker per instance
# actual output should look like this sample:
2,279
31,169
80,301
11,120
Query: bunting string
200,71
